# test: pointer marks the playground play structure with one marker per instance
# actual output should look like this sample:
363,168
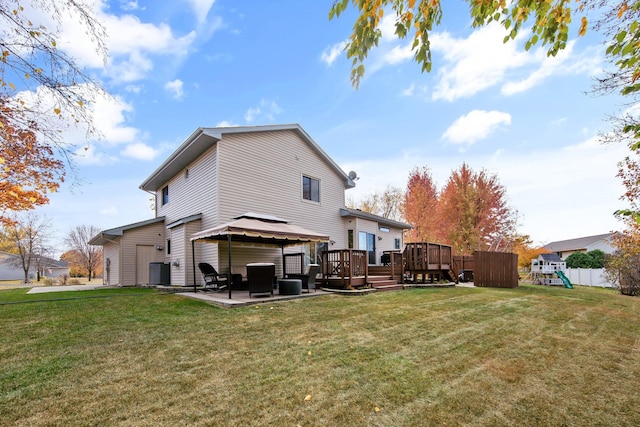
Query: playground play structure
548,269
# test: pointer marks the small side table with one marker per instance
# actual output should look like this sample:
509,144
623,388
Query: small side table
290,286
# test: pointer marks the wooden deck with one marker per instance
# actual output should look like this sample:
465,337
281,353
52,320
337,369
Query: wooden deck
429,261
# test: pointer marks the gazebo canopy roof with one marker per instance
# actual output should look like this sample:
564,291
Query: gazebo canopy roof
254,228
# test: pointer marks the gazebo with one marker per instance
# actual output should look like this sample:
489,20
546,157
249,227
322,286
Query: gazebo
255,228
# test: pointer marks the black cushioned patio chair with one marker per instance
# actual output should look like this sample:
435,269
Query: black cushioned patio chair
308,278
212,280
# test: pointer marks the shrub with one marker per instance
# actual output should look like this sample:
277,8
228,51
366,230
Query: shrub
579,260
592,259
624,271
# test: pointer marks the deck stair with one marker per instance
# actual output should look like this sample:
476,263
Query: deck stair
384,283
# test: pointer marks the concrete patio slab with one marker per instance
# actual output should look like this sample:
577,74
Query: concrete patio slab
66,288
242,299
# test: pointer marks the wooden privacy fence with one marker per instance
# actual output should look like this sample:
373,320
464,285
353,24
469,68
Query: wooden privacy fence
495,269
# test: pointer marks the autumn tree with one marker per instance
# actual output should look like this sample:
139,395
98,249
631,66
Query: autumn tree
73,258
623,266
474,211
28,169
90,256
386,203
420,207
42,90
27,236
525,249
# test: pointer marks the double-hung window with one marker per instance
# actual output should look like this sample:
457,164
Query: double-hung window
310,189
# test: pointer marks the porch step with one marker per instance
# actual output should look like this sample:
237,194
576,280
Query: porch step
383,284
388,287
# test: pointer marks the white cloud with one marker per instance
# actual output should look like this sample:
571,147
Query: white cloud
414,89
175,88
130,5
201,8
109,117
131,43
474,63
409,91
92,155
140,151
475,125
107,112
266,111
331,53
564,63
226,124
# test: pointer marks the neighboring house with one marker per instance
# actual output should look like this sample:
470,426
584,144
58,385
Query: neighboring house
219,174
11,267
564,248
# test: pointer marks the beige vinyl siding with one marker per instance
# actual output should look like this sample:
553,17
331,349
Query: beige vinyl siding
111,252
195,194
263,172
210,248
388,239
182,274
178,254
152,234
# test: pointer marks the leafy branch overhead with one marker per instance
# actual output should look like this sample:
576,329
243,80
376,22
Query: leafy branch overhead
415,19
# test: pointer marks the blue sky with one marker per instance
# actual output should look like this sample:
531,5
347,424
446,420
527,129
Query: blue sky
178,65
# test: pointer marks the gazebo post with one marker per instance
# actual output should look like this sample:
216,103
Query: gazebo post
229,276
193,260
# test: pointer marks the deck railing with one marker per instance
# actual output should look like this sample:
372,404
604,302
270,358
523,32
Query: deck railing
424,256
344,264
396,263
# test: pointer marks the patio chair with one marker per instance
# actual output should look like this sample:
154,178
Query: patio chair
261,277
308,278
212,280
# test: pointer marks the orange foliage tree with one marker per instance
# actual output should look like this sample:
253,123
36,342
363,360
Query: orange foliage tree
527,252
420,206
474,212
77,267
470,213
28,169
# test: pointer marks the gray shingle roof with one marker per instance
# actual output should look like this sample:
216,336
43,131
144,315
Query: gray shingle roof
576,244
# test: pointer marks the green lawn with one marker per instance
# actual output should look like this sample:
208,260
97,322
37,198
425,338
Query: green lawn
455,356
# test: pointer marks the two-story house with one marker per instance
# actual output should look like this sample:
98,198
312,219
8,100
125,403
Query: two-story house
218,174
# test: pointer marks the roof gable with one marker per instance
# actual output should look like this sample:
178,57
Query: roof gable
357,213
106,236
204,138
576,244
